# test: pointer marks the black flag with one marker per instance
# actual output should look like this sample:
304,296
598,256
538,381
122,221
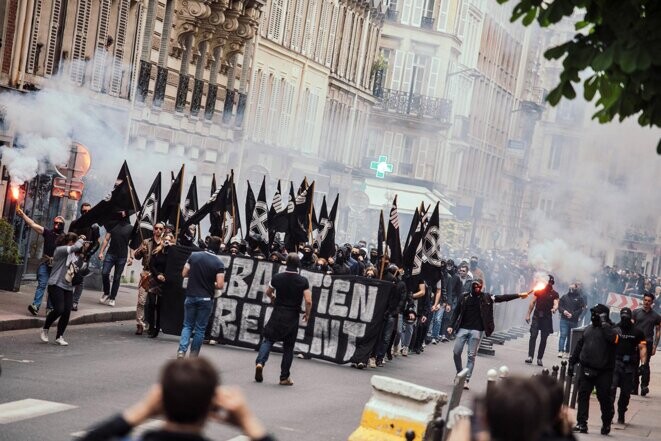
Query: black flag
213,184
172,202
393,242
191,203
250,206
278,220
230,217
326,235
213,206
300,223
380,237
258,228
148,215
121,202
427,261
412,241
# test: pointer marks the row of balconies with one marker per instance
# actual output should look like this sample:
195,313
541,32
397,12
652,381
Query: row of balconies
439,110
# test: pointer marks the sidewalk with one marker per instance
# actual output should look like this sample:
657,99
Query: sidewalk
14,313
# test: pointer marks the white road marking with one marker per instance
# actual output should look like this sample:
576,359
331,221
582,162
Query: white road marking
16,361
29,408
150,424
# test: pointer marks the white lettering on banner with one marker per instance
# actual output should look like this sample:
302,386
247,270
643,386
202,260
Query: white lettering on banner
227,260
326,337
322,304
250,317
261,280
241,268
226,318
301,346
338,298
353,330
363,302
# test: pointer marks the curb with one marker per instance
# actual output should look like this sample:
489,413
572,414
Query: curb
118,314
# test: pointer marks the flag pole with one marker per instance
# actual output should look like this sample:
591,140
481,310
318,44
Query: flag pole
181,191
233,207
385,247
310,212
128,182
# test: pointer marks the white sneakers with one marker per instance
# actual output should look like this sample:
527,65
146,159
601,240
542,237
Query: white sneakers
110,303
43,335
103,300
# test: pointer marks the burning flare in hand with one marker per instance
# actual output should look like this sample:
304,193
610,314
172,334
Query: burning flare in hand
15,192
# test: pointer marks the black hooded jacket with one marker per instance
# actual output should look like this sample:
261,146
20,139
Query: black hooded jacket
486,310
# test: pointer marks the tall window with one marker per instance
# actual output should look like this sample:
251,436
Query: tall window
555,153
277,20
444,11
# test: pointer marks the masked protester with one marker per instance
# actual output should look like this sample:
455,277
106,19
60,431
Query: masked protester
545,304
595,351
44,269
571,306
341,266
472,318
631,349
648,321
307,258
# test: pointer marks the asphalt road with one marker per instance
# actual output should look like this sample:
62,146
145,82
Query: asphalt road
106,368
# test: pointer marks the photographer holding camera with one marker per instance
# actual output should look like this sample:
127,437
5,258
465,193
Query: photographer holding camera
596,353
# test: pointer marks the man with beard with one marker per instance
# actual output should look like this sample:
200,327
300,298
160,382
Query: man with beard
545,304
648,321
571,307
631,348
144,252
287,290
119,255
595,351
472,318
44,269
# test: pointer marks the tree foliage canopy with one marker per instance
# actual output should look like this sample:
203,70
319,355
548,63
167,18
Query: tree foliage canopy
618,43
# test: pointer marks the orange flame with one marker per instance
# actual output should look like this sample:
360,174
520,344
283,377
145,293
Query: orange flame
539,286
15,193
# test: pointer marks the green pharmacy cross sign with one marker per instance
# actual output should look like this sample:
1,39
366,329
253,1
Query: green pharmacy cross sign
381,166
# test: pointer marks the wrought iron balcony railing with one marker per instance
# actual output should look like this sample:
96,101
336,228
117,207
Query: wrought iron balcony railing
392,15
427,23
414,105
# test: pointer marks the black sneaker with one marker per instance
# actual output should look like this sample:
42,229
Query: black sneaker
539,362
582,428
33,309
644,391
620,420
74,307
529,360
258,373
606,429
379,363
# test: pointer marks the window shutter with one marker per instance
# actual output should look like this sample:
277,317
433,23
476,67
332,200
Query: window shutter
259,111
397,144
443,15
297,29
408,72
387,144
396,79
120,42
422,160
310,28
274,107
56,11
407,6
331,39
77,73
287,104
461,26
433,77
100,52
282,12
322,35
32,51
416,15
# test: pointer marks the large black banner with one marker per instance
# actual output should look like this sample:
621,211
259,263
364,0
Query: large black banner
347,311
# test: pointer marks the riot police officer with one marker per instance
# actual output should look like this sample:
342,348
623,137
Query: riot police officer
596,353
631,341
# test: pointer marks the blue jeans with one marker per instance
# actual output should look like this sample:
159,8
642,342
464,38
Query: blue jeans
565,332
472,338
109,263
196,316
406,332
43,273
435,328
287,354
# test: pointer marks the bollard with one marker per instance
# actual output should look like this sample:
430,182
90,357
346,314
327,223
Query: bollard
410,435
545,371
574,392
567,387
492,376
554,372
563,372
503,372
395,409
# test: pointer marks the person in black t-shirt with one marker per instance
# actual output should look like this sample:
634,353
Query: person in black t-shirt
43,271
119,255
286,291
630,348
545,304
648,321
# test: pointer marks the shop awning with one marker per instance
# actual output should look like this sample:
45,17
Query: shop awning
382,192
